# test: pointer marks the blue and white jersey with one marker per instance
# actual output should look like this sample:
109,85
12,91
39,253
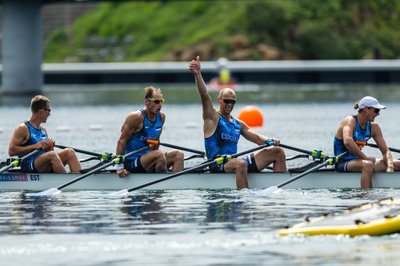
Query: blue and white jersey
225,138
359,134
35,135
149,131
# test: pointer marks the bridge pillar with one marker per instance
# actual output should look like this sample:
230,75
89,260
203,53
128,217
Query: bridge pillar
21,50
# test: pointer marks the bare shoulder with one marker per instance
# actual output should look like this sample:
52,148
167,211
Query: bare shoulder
375,128
21,128
349,119
135,116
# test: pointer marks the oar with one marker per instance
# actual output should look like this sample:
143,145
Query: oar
17,162
202,153
116,160
219,160
105,156
329,160
316,154
376,146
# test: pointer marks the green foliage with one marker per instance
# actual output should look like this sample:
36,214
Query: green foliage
307,29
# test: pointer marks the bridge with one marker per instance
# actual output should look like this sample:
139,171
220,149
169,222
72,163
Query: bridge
23,74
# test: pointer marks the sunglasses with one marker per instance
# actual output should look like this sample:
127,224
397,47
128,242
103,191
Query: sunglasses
47,109
375,110
226,101
156,101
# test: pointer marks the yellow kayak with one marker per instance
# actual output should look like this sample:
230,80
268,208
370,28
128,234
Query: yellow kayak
376,218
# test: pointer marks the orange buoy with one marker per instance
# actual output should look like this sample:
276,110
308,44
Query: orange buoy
251,115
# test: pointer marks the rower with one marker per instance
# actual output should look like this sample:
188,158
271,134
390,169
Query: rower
222,132
31,135
140,127
353,134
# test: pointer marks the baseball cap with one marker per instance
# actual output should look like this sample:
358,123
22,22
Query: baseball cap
369,101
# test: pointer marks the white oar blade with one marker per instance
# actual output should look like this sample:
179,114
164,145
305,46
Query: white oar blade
49,192
268,191
120,193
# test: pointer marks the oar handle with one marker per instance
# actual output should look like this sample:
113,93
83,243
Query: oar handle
376,146
328,161
316,154
17,162
106,156
202,153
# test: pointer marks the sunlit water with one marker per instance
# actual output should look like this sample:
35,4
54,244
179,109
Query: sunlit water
187,227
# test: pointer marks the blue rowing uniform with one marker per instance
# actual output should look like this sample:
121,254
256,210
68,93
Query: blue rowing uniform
225,139
149,131
35,135
359,134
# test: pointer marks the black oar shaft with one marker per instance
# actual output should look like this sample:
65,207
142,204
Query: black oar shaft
172,176
295,149
309,171
80,151
376,146
85,175
201,166
99,168
17,161
183,148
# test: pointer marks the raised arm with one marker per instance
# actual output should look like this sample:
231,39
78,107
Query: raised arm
208,109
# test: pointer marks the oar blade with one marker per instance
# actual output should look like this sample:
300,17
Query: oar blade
268,191
121,193
45,193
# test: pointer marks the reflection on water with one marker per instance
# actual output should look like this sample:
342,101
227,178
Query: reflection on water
199,227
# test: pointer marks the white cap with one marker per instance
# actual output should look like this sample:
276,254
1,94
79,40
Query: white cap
369,101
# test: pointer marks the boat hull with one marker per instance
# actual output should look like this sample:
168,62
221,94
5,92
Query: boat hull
13,181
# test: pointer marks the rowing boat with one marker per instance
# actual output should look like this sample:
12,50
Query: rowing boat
377,218
15,181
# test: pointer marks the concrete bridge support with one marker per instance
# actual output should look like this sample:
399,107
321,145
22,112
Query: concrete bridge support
21,50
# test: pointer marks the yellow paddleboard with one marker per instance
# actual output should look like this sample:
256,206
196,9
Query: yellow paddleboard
376,218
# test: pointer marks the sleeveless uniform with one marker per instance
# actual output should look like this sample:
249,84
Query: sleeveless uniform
359,134
35,135
150,130
224,141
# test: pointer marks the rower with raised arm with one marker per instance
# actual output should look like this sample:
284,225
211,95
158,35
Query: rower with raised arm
222,132
139,127
353,134
31,135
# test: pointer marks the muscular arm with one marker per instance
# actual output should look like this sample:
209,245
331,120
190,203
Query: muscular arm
210,115
377,135
251,135
19,137
133,123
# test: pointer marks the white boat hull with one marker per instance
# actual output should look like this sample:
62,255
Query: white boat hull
110,181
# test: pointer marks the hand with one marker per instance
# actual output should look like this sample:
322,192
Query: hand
390,168
195,65
272,141
51,143
44,145
122,173
372,159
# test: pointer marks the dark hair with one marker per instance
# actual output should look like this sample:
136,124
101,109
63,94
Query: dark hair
149,91
39,102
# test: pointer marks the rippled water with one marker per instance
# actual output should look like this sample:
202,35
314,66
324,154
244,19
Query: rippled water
187,227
